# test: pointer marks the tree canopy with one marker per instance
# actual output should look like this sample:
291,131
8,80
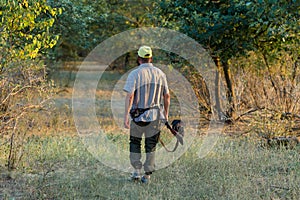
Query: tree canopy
226,28
25,30
229,28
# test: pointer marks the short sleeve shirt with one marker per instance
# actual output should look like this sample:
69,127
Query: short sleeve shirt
148,84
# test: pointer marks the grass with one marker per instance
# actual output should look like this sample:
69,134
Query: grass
59,167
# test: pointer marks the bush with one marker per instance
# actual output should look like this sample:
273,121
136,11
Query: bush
24,92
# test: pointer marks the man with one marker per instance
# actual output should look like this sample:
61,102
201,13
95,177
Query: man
148,99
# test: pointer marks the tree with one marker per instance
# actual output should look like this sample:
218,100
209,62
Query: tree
277,39
229,28
25,38
81,27
85,24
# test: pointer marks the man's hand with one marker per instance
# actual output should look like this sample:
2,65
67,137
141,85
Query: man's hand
128,104
126,121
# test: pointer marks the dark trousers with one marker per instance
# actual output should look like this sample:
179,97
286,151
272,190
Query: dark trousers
151,132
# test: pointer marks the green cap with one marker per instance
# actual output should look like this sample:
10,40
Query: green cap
145,52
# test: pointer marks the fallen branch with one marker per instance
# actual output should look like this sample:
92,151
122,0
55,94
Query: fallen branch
248,112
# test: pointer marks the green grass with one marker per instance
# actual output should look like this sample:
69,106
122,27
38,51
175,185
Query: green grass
59,167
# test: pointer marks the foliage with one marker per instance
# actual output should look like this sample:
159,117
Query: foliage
80,26
25,30
228,29
84,24
25,37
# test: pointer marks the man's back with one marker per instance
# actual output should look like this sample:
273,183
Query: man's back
149,84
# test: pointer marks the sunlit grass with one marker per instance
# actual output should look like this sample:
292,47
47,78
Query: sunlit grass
60,167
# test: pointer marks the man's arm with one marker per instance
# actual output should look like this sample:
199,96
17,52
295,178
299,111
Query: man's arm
166,105
128,104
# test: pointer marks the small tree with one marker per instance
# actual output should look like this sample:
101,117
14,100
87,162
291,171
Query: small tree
25,37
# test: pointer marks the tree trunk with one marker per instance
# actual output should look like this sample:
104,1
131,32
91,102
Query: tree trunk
230,92
218,106
292,106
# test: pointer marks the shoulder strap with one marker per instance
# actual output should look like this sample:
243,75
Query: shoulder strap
163,144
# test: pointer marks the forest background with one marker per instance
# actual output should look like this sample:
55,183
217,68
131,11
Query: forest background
254,45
